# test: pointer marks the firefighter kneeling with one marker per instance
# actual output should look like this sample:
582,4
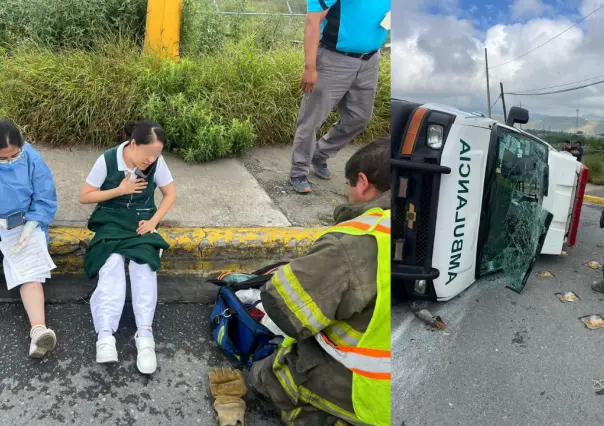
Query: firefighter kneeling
335,304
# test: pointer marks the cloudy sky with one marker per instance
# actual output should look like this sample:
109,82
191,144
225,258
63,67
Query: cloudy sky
438,52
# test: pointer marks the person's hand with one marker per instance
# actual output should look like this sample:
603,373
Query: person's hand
28,229
146,227
135,186
309,80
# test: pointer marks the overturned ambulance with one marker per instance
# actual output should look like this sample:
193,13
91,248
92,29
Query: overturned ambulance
473,196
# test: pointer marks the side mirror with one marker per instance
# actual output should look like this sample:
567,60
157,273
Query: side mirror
517,115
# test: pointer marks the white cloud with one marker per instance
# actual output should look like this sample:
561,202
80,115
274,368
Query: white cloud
528,8
441,59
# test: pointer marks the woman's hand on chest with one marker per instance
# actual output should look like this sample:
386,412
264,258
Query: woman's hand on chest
132,186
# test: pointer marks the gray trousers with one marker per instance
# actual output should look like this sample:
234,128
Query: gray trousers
349,83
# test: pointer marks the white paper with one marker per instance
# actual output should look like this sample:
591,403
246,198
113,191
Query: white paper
32,263
386,24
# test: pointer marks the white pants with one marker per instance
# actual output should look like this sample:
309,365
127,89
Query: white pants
107,302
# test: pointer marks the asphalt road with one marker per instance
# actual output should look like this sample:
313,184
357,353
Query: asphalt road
68,387
506,358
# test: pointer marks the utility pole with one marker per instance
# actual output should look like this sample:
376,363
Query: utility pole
486,61
577,120
505,114
521,107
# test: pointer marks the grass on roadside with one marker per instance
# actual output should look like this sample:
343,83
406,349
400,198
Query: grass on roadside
211,107
595,163
60,24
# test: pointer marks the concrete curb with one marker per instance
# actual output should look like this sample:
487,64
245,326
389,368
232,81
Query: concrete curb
195,255
200,251
593,200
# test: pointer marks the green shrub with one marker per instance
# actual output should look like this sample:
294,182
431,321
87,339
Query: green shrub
70,23
194,133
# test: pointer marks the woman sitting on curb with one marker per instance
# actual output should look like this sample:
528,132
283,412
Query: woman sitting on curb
123,182
28,204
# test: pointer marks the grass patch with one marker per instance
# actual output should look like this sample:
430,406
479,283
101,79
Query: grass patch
211,107
595,163
206,31
70,23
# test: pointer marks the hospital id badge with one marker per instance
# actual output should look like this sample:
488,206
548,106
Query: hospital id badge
14,220
386,24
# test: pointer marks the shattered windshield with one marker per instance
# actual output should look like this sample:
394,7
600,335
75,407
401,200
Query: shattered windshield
517,223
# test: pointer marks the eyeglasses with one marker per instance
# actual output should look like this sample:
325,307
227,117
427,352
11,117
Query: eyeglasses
12,159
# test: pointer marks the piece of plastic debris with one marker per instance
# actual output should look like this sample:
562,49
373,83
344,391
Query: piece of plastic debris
428,318
593,321
545,274
563,254
593,264
568,296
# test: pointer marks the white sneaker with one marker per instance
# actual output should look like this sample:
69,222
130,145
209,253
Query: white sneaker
145,361
42,340
105,350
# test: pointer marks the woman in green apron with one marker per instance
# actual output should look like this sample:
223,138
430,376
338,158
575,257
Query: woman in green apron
122,183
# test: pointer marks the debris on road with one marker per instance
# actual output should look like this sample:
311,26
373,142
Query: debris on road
428,318
563,254
593,321
568,296
593,265
545,274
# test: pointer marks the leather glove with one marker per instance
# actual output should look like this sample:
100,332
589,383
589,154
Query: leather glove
230,410
28,229
227,382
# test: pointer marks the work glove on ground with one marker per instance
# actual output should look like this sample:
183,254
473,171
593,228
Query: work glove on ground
28,229
227,382
230,410
228,386
3,224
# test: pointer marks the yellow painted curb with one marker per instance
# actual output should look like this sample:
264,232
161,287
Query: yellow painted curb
593,200
197,250
69,240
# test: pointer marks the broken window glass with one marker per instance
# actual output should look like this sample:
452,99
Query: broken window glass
517,222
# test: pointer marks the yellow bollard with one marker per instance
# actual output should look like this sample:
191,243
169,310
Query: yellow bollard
162,35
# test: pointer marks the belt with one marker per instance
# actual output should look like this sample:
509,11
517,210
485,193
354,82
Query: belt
362,56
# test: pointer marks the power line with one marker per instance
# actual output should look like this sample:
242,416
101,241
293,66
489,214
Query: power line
553,38
498,97
570,89
476,86
560,85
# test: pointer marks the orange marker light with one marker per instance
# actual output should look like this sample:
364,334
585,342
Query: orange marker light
411,137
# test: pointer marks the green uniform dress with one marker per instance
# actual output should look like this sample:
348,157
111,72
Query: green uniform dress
115,222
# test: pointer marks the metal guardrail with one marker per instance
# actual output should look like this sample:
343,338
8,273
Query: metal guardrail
290,15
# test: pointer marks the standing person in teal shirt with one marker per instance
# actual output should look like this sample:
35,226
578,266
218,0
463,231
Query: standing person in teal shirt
342,40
